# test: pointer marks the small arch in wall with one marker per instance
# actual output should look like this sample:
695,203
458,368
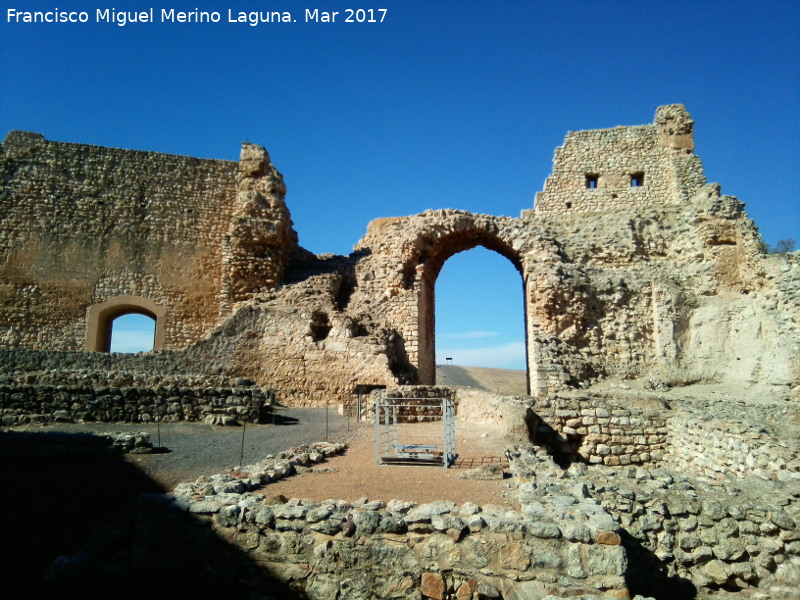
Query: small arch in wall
132,333
100,318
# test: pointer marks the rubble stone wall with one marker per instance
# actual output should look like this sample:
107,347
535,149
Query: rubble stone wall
83,225
430,550
681,538
46,387
46,404
603,430
733,445
606,169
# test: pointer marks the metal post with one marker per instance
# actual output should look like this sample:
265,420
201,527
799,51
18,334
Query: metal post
377,431
241,454
444,434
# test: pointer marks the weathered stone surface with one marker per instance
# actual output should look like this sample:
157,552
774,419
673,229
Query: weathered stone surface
433,586
634,266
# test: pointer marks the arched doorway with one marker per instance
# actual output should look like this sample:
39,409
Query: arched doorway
479,320
132,332
431,267
100,320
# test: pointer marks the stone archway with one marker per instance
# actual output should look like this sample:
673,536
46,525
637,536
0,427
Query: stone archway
439,252
99,319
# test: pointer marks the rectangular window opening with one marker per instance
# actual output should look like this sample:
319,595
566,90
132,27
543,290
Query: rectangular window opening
637,180
592,180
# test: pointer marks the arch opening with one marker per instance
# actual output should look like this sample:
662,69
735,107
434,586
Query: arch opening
101,318
132,332
475,314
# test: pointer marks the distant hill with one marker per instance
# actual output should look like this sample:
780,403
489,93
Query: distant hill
502,381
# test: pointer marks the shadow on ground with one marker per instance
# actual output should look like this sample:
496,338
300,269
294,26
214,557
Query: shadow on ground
71,530
647,575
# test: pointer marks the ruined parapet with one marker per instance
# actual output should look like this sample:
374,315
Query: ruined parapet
605,169
260,240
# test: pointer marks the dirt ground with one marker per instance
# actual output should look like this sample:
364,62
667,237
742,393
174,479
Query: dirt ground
356,475
194,449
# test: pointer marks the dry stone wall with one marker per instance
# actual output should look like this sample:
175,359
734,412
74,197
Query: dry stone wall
579,531
48,387
437,550
679,535
603,430
582,527
745,442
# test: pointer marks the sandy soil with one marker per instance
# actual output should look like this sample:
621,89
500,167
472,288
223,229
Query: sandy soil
356,475
499,381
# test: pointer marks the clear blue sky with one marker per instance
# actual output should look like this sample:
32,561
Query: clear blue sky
443,105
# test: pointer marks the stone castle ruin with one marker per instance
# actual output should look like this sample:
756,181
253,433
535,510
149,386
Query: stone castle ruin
633,266
642,284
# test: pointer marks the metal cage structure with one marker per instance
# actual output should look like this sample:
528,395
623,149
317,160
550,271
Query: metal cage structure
396,447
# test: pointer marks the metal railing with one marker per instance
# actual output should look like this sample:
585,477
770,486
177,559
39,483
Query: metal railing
393,446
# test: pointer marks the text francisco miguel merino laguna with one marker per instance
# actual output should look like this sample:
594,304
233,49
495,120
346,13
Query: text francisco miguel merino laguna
170,15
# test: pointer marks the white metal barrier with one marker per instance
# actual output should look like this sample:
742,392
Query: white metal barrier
397,444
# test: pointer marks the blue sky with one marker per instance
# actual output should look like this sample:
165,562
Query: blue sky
443,105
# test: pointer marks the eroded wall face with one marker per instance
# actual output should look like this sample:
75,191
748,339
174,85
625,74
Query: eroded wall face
608,169
82,224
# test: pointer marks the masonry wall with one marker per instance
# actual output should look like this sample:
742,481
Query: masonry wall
602,430
82,224
745,443
605,169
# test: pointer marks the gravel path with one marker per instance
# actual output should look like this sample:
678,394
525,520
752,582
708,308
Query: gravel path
195,449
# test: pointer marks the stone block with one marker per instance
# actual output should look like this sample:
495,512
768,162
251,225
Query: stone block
433,586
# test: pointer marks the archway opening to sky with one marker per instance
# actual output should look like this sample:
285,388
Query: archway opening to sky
480,312
133,332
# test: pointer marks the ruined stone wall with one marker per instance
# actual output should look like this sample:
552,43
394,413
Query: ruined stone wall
682,538
46,387
678,290
435,550
606,169
82,225
740,441
603,430
667,278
